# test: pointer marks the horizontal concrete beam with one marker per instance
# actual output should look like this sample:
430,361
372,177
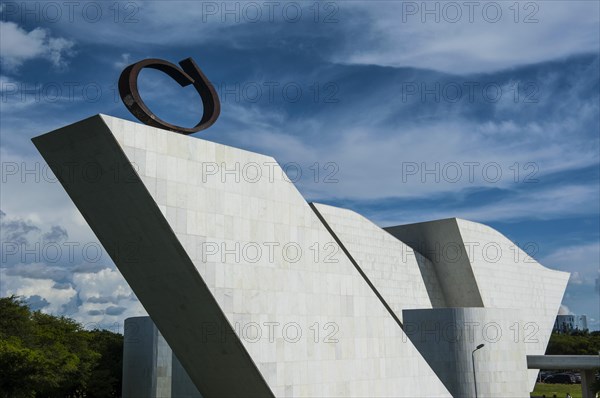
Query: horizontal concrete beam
563,361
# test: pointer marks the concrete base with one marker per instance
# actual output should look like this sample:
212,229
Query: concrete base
150,368
477,266
447,338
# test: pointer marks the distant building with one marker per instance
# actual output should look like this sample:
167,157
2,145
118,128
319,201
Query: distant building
569,323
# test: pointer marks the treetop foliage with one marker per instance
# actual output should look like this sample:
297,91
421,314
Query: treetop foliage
46,356
576,343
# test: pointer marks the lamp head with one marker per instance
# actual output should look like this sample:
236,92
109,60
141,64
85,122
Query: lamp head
480,346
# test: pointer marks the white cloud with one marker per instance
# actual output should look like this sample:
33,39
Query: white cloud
543,204
105,283
389,34
123,61
18,46
21,286
382,150
404,34
398,164
582,261
57,275
101,294
119,302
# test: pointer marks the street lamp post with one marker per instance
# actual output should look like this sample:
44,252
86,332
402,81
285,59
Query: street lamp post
473,361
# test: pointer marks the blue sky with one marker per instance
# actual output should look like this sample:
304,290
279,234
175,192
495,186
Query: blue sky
410,112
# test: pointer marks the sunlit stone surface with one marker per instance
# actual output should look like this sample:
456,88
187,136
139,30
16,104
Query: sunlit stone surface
332,335
479,267
259,294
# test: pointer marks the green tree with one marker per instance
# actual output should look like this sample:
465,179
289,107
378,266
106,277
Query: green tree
47,356
22,370
574,344
106,377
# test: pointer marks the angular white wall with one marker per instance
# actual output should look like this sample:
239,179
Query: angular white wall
440,242
178,213
404,278
509,278
235,267
479,267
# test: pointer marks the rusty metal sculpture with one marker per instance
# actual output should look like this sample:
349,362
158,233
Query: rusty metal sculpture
189,73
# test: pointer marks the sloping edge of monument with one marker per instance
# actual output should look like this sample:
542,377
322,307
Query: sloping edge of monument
356,265
136,235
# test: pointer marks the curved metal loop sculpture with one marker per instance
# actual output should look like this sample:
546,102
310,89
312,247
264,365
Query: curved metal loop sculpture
189,73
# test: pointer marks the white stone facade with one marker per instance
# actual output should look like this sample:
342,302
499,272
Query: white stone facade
447,338
508,277
348,344
227,244
480,267
401,275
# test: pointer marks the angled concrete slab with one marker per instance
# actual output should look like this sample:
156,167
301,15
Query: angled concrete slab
233,266
104,185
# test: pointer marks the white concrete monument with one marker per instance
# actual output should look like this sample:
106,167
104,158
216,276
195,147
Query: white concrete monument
259,293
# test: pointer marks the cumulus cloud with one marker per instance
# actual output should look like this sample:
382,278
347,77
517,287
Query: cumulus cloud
27,287
52,275
64,285
40,271
104,283
16,230
32,250
56,234
88,267
36,302
114,311
18,46
100,300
